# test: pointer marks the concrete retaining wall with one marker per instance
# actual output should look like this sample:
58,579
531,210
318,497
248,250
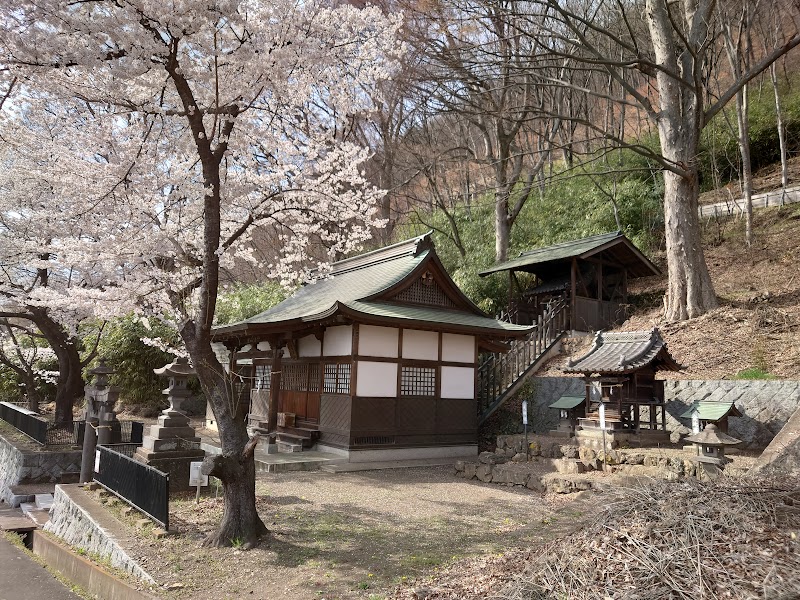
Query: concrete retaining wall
73,520
80,571
766,405
18,466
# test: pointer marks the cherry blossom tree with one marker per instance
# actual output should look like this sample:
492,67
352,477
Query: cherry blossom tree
185,126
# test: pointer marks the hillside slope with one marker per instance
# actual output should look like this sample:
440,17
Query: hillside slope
757,324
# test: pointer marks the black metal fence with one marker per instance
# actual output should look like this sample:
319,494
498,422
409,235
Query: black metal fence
25,421
61,434
140,485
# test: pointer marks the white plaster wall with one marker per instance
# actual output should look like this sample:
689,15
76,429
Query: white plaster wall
309,346
376,379
420,345
263,346
338,341
377,341
458,382
458,348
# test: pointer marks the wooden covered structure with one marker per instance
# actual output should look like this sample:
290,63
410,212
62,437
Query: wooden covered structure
711,412
619,371
377,360
592,273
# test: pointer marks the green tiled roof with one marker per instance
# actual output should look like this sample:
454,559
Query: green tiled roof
354,286
567,402
432,315
575,248
711,410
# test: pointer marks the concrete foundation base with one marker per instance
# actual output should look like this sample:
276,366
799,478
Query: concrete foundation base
175,463
389,454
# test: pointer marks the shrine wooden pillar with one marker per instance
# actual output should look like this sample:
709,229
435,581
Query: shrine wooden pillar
276,346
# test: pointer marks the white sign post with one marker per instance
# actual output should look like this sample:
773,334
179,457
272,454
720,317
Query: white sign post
197,478
525,422
695,421
602,411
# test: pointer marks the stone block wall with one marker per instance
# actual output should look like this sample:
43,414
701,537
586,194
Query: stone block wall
766,405
76,526
18,466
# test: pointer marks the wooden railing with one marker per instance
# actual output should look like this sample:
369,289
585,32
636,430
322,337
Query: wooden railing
500,375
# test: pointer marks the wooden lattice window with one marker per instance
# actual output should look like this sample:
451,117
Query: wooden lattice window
337,378
263,377
294,377
417,381
313,377
426,291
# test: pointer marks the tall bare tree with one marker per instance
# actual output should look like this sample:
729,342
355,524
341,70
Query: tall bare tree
659,53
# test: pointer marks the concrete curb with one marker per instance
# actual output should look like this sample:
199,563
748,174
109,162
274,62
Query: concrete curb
84,573
81,522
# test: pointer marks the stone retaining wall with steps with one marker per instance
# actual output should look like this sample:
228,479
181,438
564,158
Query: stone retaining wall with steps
72,521
18,466
572,465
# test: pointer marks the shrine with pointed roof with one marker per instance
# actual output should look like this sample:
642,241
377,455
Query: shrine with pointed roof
377,359
624,402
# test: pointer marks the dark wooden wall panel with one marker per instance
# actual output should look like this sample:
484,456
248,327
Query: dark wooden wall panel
416,415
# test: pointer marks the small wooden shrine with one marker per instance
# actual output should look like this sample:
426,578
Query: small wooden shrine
376,361
591,273
619,371
704,412
570,410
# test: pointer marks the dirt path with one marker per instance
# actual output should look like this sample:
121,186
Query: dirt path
355,535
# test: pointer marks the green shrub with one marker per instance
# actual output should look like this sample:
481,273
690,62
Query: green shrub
753,373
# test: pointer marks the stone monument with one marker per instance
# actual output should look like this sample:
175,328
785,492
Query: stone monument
173,444
102,426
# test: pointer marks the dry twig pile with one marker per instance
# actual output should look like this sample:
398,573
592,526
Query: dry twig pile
676,540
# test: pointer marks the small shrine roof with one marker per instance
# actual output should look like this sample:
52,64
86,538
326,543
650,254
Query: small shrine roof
712,436
624,251
709,410
624,352
567,402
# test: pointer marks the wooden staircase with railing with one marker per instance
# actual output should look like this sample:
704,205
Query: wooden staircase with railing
501,375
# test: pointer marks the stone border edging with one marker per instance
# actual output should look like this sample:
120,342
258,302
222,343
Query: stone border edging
81,522
84,573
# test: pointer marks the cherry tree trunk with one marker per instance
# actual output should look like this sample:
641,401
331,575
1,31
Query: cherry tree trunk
69,386
235,466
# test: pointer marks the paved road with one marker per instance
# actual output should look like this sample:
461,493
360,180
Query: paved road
736,206
21,578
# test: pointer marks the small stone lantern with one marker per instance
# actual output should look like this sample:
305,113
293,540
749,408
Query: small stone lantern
710,445
177,392
173,445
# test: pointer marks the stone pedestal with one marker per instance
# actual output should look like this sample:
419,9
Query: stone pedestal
172,444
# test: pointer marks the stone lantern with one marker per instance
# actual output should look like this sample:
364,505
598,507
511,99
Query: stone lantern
711,443
173,444
101,424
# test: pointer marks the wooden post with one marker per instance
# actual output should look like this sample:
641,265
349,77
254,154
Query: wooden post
573,291
276,345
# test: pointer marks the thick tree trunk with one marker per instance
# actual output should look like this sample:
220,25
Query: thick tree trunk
235,467
690,292
69,386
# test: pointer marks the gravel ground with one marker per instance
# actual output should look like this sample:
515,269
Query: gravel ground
353,535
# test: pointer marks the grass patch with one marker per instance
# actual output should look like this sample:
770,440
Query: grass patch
753,373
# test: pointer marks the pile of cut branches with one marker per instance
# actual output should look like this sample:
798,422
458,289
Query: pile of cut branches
669,540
